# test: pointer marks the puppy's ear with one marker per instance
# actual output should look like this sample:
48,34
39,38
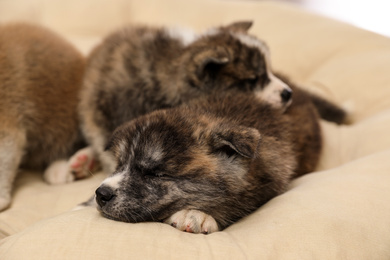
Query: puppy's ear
117,144
210,59
240,26
113,139
236,140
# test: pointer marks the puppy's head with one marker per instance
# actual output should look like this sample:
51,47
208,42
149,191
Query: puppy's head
172,160
228,57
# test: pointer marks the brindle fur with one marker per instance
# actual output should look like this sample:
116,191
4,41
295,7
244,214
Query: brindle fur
137,70
40,78
224,155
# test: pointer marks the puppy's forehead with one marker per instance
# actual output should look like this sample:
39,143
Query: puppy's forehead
150,154
154,151
148,141
244,38
155,139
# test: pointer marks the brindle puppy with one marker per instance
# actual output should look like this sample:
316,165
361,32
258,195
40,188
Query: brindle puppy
40,78
202,166
137,70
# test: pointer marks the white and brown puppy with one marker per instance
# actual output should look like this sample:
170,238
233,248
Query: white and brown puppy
137,70
40,79
202,166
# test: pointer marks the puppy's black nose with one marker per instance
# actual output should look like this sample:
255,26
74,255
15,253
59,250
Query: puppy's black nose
286,95
103,195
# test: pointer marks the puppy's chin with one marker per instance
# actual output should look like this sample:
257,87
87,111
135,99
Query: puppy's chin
104,214
111,217
108,216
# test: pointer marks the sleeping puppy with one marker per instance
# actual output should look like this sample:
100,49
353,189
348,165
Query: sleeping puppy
202,166
137,70
40,78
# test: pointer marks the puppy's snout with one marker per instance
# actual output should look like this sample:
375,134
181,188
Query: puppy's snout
286,95
103,195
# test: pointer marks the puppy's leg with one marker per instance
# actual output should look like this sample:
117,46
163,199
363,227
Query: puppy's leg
58,173
79,166
12,144
83,163
98,143
193,221
95,132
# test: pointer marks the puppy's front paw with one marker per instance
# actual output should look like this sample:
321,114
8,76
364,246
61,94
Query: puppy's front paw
58,173
193,221
82,163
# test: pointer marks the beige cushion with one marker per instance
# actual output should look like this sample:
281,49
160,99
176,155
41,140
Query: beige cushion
339,212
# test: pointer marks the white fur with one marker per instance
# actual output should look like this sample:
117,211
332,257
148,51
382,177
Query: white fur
122,147
114,180
211,31
152,154
186,36
156,154
62,171
252,42
58,173
272,92
193,221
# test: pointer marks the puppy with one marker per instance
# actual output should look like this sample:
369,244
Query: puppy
40,79
137,70
202,166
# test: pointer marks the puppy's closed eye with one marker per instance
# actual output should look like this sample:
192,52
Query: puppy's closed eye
252,80
257,80
151,172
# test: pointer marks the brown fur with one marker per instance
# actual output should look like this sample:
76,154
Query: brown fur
224,155
40,78
139,69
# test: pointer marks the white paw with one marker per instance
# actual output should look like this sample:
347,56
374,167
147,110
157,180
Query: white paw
193,221
82,163
58,173
4,202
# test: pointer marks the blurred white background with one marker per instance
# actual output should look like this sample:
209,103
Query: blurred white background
372,15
